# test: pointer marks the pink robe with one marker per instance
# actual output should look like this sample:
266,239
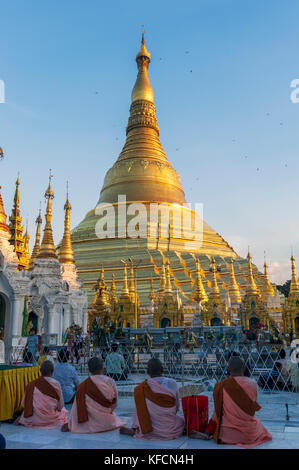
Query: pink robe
237,427
166,423
48,413
100,418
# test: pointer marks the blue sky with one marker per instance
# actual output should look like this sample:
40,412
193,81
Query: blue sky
231,118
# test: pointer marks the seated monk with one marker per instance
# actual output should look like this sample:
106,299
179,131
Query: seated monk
94,404
157,403
233,421
43,402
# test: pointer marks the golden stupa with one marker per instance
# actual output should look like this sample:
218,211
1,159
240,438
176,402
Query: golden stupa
143,173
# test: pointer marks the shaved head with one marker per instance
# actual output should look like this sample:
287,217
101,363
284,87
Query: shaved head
236,365
95,365
47,369
154,367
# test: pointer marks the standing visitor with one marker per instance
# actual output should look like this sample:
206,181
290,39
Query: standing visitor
32,343
115,364
66,375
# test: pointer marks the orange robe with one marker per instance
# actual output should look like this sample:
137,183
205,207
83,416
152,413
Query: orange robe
100,418
48,412
237,427
164,421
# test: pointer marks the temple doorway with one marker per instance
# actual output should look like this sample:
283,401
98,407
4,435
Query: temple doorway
297,325
33,320
165,322
253,322
216,321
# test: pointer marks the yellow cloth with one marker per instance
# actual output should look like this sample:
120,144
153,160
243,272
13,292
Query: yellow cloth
12,386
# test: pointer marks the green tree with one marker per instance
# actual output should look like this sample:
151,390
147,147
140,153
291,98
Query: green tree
285,288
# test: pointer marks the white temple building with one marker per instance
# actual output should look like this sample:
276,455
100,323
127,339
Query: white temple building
49,287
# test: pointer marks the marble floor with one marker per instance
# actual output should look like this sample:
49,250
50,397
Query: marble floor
273,415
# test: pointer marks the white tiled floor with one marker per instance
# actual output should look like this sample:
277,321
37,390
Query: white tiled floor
285,434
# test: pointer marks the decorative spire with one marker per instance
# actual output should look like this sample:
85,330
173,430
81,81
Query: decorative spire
101,289
233,289
36,247
267,288
151,295
168,289
47,249
199,293
162,286
3,225
132,281
251,286
142,89
112,293
26,247
294,286
66,254
16,230
214,286
125,289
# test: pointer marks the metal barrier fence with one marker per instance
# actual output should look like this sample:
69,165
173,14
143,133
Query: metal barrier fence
195,367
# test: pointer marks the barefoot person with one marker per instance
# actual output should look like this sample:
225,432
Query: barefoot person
94,404
233,421
43,402
157,403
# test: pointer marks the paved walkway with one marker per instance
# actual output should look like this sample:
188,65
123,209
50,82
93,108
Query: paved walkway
273,415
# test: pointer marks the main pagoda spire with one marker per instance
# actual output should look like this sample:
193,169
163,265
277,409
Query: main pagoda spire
142,171
66,254
47,249
16,229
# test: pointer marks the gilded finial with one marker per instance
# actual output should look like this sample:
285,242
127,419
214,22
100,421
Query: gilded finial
152,293
162,286
251,286
112,293
66,254
214,286
125,289
36,247
199,293
234,290
142,89
267,288
294,286
47,249
168,288
16,229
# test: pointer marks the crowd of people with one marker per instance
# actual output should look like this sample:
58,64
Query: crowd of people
157,403
157,416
